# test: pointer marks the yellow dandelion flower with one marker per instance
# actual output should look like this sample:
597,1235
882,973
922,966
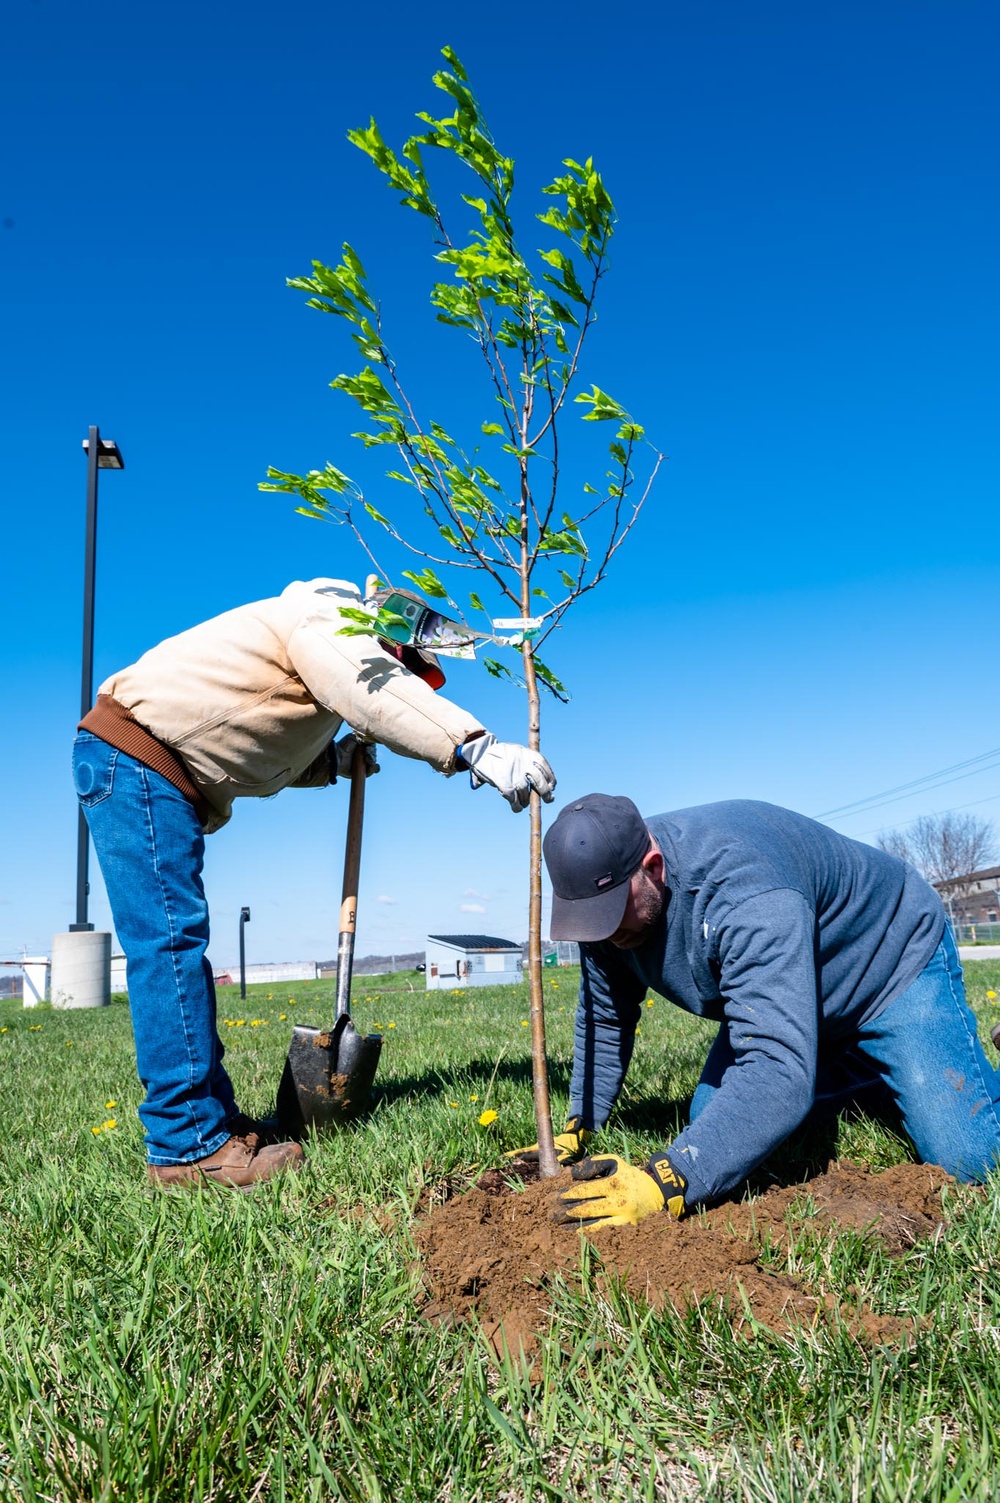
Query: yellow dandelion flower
392,1025
270,996
282,1017
991,996
109,1106
69,1044
473,1098
240,1022
524,1022
34,1027
649,1001
3,1030
485,1118
109,1124
453,1103
95,1131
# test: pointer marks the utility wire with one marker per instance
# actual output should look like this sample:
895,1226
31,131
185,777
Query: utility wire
930,780
973,803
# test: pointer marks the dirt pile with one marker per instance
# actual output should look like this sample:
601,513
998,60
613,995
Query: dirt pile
493,1251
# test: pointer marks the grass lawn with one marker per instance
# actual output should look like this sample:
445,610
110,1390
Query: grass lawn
268,1346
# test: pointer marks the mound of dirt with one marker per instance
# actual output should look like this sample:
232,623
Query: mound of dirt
492,1252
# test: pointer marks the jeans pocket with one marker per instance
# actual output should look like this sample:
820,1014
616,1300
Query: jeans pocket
93,771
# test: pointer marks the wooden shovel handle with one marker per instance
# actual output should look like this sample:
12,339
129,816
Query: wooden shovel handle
352,856
352,871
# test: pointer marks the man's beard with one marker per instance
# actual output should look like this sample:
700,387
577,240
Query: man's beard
649,903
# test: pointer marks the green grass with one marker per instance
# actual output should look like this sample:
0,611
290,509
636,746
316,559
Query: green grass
221,1346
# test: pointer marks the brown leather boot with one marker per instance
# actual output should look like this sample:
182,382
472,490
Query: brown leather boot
241,1162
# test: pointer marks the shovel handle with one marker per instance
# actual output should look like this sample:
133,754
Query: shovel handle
352,870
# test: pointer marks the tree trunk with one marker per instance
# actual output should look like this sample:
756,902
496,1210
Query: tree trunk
547,1161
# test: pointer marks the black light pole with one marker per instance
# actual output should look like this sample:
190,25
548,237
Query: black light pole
244,920
102,454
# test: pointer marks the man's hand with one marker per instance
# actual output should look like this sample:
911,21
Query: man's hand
342,755
609,1192
571,1144
511,769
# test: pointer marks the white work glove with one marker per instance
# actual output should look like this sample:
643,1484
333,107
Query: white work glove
342,755
511,769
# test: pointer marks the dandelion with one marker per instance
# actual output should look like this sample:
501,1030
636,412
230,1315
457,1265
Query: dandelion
392,1025
95,1131
3,1030
240,1022
649,1001
991,996
270,996
34,1027
110,1124
453,1103
282,1017
485,1118
473,1098
69,1044
109,1106
524,1022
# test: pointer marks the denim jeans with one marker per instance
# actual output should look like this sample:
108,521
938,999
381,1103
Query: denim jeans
923,1054
151,850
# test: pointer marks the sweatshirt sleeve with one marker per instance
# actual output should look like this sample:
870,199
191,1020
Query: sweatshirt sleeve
380,699
607,1013
769,987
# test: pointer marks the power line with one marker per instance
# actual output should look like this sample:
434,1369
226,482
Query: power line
938,779
973,803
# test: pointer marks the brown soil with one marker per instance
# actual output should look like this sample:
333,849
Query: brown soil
492,1252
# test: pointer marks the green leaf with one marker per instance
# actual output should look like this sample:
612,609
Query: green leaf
567,580
603,408
377,516
549,680
496,669
492,428
476,603
428,583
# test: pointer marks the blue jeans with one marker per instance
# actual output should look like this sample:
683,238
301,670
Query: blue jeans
921,1053
151,849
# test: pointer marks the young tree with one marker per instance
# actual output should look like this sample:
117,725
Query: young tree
498,515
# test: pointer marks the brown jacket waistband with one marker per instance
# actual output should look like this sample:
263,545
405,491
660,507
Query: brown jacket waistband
113,723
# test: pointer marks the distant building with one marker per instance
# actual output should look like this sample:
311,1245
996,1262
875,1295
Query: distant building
458,960
974,899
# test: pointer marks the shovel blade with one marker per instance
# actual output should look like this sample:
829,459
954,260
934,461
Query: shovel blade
327,1077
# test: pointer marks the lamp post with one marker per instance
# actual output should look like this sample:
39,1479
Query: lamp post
81,959
102,454
244,920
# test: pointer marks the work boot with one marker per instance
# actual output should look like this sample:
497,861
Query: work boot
240,1163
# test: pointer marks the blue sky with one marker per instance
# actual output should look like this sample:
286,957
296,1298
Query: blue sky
802,311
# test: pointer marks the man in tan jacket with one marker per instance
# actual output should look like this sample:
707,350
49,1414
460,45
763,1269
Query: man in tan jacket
240,707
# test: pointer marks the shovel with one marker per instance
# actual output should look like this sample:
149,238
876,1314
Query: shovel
328,1073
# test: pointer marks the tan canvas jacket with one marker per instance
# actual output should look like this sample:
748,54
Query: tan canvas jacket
251,699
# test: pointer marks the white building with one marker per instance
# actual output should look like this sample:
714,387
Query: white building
457,960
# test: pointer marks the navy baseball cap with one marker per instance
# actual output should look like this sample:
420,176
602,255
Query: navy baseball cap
591,852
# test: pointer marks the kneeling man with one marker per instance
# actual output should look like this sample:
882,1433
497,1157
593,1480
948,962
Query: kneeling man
828,965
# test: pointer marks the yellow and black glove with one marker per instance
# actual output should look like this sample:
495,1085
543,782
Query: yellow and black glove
609,1192
571,1144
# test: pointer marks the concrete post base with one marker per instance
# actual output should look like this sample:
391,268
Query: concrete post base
81,969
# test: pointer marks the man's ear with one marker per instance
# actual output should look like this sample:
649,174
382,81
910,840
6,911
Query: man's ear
652,865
